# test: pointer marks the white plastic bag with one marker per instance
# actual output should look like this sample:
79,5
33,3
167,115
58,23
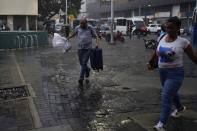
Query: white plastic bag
61,42
58,40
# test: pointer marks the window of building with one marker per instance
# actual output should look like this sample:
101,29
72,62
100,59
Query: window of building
3,22
32,23
163,8
19,22
186,9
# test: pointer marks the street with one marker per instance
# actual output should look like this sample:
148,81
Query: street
125,96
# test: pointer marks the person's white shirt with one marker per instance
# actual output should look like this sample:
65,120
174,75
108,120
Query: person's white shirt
171,53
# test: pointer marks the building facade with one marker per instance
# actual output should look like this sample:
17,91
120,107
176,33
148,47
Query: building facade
19,14
150,10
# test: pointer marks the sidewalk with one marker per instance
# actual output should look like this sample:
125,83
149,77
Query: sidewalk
14,105
123,97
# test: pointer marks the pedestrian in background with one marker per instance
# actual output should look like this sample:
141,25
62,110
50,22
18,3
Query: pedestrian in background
170,53
129,31
138,31
84,33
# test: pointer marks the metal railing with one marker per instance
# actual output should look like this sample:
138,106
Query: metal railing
26,41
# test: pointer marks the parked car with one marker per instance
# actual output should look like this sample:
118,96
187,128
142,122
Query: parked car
104,29
154,28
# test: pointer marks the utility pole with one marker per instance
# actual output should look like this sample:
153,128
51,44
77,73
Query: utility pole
66,13
139,10
196,3
112,21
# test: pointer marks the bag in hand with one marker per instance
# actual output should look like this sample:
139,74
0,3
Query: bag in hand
58,40
96,59
154,61
61,42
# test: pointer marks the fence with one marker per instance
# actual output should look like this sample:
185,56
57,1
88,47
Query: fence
19,40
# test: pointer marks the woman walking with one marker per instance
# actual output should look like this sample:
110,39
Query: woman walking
170,53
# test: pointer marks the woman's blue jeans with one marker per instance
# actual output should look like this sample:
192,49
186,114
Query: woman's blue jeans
171,80
84,56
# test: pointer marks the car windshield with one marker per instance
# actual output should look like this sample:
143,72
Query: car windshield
104,28
152,25
139,23
93,23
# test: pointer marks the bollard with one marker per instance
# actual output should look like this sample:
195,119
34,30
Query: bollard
31,40
19,41
25,38
36,39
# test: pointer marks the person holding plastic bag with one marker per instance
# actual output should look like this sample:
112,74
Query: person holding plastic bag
84,33
59,40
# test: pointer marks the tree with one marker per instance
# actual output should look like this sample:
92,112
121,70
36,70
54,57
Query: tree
49,8
74,7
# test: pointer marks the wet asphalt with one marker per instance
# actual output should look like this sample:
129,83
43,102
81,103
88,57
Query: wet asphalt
125,96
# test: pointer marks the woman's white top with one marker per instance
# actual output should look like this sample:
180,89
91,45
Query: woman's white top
171,53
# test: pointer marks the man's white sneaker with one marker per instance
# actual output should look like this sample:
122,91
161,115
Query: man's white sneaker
177,112
159,127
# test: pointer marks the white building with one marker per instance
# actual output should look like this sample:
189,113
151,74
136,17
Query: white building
19,14
150,10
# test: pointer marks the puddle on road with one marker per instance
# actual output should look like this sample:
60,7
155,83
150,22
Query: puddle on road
102,102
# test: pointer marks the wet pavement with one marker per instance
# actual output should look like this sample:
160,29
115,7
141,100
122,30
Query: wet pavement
122,97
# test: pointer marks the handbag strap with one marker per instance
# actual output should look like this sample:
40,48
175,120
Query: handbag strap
154,55
161,38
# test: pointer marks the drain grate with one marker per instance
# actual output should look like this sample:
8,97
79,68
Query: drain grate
14,92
